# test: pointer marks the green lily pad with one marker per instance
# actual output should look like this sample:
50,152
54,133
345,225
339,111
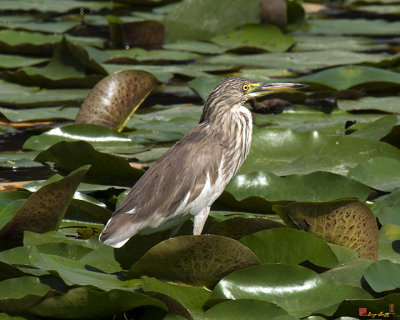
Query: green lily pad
386,208
18,294
348,223
286,152
49,6
383,275
84,302
43,210
298,61
194,46
297,290
289,246
389,244
12,94
49,113
185,300
105,168
259,36
295,187
211,18
346,77
239,227
214,256
377,129
8,61
353,26
248,309
101,138
63,71
111,108
386,175
204,85
386,104
135,55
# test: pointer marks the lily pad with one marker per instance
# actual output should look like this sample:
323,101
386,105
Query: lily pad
289,246
383,275
316,186
101,138
348,223
386,175
386,208
386,104
105,168
248,309
8,61
110,107
377,129
212,17
43,210
84,302
198,260
346,77
284,152
49,113
259,36
187,301
26,291
297,290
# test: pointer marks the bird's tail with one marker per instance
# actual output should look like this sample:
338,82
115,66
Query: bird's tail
118,231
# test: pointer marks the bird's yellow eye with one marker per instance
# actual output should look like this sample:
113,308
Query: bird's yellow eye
245,87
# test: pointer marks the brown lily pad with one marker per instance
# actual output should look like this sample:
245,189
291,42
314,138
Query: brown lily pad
196,260
114,99
43,210
349,223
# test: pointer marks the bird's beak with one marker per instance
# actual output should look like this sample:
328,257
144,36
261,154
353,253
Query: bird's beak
264,88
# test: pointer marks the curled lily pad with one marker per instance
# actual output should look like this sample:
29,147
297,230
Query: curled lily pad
349,223
43,210
115,98
198,260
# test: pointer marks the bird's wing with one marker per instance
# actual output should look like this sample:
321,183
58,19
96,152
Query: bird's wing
184,168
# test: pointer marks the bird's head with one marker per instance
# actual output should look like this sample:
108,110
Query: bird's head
234,91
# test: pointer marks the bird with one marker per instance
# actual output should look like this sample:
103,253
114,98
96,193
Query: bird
186,180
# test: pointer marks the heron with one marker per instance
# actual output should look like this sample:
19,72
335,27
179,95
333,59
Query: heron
191,175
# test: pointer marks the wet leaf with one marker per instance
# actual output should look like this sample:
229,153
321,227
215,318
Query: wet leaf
198,260
43,210
135,55
194,46
212,17
289,246
297,290
347,223
112,108
105,168
259,36
83,302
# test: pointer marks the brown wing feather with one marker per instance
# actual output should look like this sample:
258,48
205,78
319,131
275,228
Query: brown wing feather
165,185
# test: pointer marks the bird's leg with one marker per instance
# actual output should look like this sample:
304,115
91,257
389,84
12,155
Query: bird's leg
199,220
